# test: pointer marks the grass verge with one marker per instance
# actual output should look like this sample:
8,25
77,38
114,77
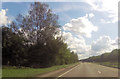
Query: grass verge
109,64
29,72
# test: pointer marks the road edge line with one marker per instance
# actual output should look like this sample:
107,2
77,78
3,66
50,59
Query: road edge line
67,72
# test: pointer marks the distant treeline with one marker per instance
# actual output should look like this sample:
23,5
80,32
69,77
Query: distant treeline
106,57
32,40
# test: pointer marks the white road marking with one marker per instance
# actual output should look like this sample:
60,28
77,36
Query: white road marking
67,72
99,72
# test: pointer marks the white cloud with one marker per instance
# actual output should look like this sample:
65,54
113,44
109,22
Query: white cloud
3,18
107,6
91,15
77,45
80,26
83,56
102,45
104,21
74,33
67,7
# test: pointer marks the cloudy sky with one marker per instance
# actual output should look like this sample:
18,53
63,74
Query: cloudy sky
90,27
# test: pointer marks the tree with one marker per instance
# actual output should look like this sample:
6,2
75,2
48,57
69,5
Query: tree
13,47
106,57
30,40
39,19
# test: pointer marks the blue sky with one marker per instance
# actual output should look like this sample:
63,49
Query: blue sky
84,24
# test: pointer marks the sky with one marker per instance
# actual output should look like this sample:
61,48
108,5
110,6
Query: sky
89,27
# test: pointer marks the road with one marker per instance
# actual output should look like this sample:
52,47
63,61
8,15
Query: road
84,70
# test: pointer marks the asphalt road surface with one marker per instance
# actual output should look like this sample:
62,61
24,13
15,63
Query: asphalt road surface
84,70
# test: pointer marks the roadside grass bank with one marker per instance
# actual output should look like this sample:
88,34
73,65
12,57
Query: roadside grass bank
110,64
30,72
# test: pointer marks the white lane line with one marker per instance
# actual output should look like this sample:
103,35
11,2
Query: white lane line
67,72
99,72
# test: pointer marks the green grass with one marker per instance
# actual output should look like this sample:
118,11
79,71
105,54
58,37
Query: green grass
29,72
109,64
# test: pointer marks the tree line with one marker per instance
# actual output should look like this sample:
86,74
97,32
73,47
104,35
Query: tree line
112,56
31,40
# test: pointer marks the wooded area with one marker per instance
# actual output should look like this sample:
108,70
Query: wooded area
106,57
31,40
